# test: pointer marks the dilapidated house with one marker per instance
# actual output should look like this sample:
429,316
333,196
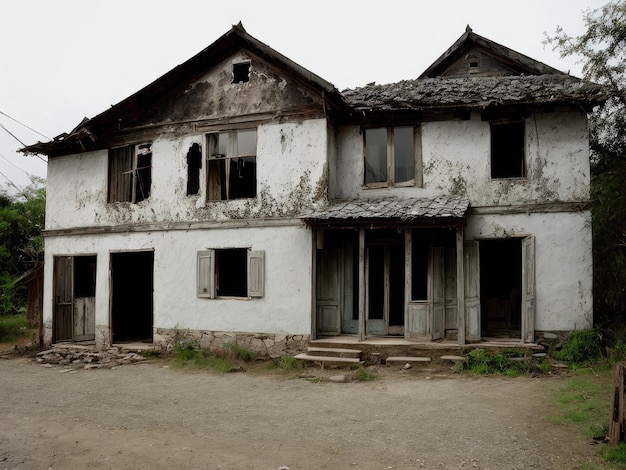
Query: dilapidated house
240,197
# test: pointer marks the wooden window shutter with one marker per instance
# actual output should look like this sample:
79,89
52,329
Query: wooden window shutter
528,289
206,274
256,273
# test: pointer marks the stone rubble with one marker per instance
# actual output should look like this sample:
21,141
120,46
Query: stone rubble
81,357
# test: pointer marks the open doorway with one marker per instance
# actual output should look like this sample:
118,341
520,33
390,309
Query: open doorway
501,287
131,296
385,271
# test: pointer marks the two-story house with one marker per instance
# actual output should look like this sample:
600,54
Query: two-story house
240,197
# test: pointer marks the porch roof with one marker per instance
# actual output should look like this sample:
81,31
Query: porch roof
435,211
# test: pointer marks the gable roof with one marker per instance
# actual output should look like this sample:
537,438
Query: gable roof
90,130
517,63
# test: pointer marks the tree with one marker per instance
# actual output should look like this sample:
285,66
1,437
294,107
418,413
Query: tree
21,242
602,51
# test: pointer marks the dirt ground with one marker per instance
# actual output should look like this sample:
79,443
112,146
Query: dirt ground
154,416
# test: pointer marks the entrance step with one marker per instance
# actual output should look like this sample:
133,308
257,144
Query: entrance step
331,355
334,352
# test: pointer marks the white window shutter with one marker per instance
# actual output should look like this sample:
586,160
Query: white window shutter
256,273
206,274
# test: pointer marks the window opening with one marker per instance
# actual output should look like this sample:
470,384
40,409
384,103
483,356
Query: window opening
390,155
241,72
130,173
231,273
194,164
507,149
232,165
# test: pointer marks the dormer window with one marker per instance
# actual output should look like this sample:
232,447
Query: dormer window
241,72
474,65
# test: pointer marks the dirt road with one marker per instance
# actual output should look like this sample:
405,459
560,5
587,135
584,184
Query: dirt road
149,416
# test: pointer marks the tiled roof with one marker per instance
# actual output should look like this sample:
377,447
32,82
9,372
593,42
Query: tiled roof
477,92
389,209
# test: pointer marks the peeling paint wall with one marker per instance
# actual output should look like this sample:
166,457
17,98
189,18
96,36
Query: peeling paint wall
563,262
291,175
456,159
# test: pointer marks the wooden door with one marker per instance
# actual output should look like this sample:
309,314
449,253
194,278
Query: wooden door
471,280
328,295
438,293
63,298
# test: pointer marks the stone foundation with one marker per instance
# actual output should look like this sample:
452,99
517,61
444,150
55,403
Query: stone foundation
264,344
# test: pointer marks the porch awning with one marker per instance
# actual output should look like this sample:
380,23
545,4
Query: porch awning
441,211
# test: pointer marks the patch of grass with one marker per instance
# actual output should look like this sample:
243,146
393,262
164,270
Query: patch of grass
14,327
584,400
615,454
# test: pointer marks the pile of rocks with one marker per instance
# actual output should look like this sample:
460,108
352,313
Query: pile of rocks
85,357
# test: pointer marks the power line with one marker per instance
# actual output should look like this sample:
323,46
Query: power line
11,163
10,182
27,127
12,134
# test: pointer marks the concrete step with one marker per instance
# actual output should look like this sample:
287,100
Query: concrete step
454,358
335,352
330,359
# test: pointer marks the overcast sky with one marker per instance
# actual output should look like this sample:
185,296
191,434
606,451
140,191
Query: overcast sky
63,60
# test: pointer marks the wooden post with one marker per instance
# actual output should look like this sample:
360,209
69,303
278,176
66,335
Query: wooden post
617,425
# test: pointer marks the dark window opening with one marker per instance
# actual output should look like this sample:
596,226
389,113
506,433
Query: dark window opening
419,267
241,72
194,164
507,149
232,166
231,273
85,276
130,173
376,292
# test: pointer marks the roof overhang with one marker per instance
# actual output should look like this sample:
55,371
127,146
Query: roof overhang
441,211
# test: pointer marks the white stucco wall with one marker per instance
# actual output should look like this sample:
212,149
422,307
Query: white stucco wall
284,308
563,257
456,159
291,173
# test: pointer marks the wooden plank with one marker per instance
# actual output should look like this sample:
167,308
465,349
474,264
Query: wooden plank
616,423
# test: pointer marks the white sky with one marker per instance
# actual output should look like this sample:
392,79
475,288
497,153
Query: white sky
63,60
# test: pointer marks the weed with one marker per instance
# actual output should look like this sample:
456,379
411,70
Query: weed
363,375
509,362
187,354
582,347
241,352
286,363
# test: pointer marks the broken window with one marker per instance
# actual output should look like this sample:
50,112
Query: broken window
231,272
231,165
241,72
130,173
390,156
194,164
507,149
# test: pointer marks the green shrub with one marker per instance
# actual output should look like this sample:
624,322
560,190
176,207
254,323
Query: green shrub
581,347
483,362
286,363
241,352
